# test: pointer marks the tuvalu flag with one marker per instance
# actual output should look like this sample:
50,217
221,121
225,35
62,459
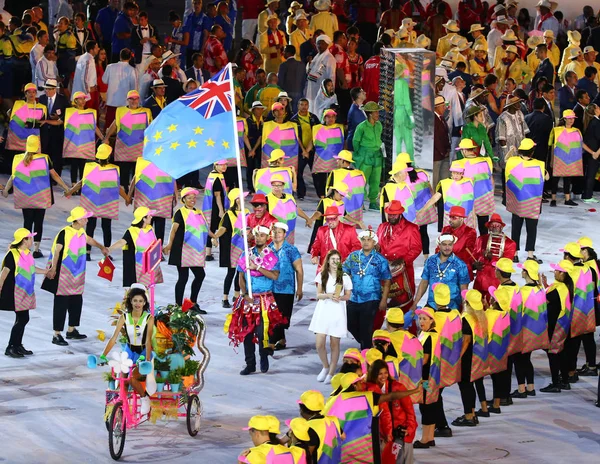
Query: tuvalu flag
107,269
195,130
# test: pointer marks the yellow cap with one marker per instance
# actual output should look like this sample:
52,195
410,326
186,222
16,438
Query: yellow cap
349,379
381,335
373,354
341,188
336,381
258,423
425,311
395,316
313,400
20,234
564,266
353,353
188,191
273,424
345,155
532,268
467,144
569,114
585,242
441,294
300,428
403,158
33,144
133,94
78,213
277,178
78,95
30,86
398,167
103,152
526,144
503,296
574,249
276,154
473,297
505,265
141,212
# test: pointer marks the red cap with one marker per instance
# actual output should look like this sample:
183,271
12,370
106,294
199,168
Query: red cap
495,218
458,211
394,207
332,211
259,198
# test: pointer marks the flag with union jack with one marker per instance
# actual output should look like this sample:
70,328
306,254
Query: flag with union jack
195,130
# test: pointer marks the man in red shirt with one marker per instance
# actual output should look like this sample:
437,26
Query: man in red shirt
260,216
215,57
370,81
469,13
464,247
250,10
400,244
333,235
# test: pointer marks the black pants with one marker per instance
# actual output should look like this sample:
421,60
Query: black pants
285,303
18,329
21,71
90,228
480,388
591,166
250,350
302,163
64,304
251,165
33,221
231,177
184,273
52,141
566,185
524,368
481,221
430,412
441,422
556,368
158,224
499,383
344,101
360,321
589,346
320,180
127,169
570,352
467,395
229,279
424,239
77,166
531,228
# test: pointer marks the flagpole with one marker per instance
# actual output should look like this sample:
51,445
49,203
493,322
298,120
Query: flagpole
238,165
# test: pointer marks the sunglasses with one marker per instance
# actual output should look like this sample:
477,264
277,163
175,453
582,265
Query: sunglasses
259,205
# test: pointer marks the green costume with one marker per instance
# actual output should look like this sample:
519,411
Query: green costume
403,114
368,157
480,137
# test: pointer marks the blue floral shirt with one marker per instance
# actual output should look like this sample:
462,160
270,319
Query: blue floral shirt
260,284
455,274
287,254
367,287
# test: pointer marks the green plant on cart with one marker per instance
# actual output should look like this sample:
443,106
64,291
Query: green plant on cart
161,365
174,377
190,368
108,377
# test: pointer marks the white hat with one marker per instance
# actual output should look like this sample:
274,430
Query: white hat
168,55
407,22
504,20
322,5
51,84
158,83
281,225
499,7
261,230
548,4
446,238
369,233
283,95
258,104
441,72
324,37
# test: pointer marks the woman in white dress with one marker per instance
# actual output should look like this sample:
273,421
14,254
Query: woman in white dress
333,290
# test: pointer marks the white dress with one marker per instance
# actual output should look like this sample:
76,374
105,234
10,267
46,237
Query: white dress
329,317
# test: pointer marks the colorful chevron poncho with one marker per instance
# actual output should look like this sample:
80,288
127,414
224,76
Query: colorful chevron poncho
328,142
535,319
262,179
459,193
32,183
100,190
131,124
479,170
354,179
286,211
568,151
24,291
154,189
71,277
80,134
194,238
22,113
524,186
142,239
284,136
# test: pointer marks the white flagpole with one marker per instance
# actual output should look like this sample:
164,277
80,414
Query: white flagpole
240,182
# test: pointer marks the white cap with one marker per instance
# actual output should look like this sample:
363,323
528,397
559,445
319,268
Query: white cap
325,38
281,225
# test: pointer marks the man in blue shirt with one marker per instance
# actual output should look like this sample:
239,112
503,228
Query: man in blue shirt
355,115
194,26
289,283
253,308
121,33
371,277
447,268
105,20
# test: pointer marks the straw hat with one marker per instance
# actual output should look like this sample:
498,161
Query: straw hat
451,26
534,41
574,53
476,27
509,36
574,37
322,5
423,41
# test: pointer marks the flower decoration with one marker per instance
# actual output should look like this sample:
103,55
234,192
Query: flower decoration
120,362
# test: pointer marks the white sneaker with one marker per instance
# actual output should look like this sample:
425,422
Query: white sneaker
328,380
322,375
145,402
591,200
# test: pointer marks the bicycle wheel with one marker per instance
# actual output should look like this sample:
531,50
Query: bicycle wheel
193,415
117,429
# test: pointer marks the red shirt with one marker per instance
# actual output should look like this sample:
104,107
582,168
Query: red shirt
213,49
251,8
465,244
355,65
414,11
367,11
345,237
248,59
469,13
370,81
486,277
341,59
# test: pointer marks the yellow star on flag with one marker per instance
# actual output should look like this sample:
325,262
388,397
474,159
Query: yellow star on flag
174,146
158,151
210,143
192,144
146,140
225,145
157,136
198,130
172,128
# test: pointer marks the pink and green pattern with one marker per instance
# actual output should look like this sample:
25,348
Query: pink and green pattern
330,448
535,319
17,130
411,365
328,142
282,136
459,193
498,340
263,180
435,371
71,278
355,412
422,194
583,319
404,194
516,321
142,239
355,195
194,238
286,211
154,189
24,280
209,197
130,135
480,348
480,172
524,187
237,237
449,326
100,191
568,151
80,134
31,183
